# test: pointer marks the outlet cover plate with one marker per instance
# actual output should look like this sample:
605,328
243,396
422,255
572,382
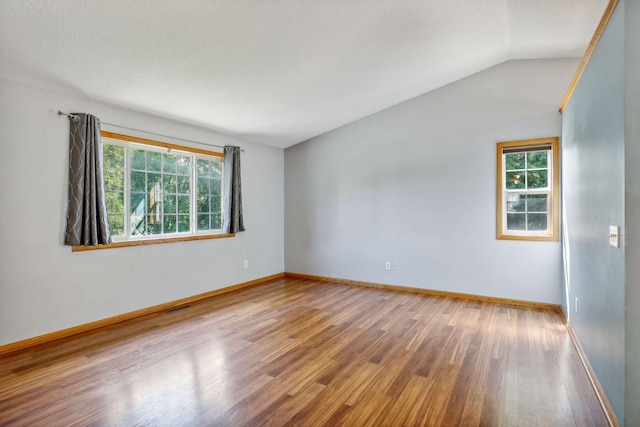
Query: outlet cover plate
614,236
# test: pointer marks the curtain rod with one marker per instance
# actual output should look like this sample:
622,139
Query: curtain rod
76,118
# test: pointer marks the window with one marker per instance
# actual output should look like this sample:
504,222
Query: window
158,190
528,190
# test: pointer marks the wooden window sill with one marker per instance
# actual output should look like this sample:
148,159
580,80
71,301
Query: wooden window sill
150,242
528,238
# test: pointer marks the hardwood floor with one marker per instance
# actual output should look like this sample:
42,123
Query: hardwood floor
301,352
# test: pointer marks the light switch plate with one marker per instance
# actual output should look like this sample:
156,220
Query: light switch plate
614,236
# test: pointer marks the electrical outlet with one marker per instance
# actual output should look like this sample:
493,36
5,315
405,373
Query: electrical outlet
387,265
246,263
576,304
396,265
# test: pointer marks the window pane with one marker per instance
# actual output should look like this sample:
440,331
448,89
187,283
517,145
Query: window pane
537,221
169,183
216,169
525,170
514,180
183,205
515,221
183,164
537,159
155,204
216,205
183,223
154,161
216,221
138,182
113,180
138,159
160,189
537,179
516,203
116,224
154,226
138,204
216,186
154,181
183,184
203,167
170,224
138,224
115,203
537,203
514,161
113,156
169,204
203,204
169,163
113,176
203,222
203,186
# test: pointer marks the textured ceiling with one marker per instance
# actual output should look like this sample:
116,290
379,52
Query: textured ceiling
277,71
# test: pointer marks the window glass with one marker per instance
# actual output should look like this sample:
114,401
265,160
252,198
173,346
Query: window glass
152,191
114,172
209,174
527,204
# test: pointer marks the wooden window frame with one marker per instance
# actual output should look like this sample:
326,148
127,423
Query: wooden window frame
162,238
553,221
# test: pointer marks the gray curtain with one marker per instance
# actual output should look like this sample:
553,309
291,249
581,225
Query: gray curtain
232,198
87,223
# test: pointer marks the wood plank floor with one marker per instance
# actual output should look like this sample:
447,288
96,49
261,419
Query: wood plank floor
300,352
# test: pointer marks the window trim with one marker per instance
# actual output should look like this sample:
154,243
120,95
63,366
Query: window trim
150,240
137,140
554,221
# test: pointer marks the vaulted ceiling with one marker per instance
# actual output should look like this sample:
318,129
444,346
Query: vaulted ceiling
277,71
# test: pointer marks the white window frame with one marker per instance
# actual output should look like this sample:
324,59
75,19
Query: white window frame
552,190
129,142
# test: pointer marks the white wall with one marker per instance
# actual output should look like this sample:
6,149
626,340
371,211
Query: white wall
45,287
415,183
